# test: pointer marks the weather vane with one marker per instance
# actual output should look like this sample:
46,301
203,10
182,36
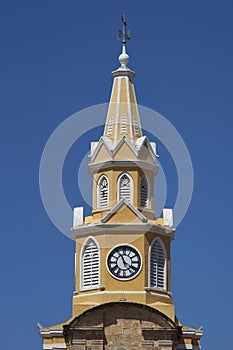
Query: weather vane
124,34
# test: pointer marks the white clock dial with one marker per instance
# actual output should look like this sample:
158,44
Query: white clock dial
124,262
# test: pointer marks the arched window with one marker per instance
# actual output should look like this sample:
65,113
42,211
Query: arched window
125,188
102,191
90,265
144,192
158,262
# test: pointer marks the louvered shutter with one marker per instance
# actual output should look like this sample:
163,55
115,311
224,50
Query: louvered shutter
90,265
157,266
123,124
136,126
110,126
144,192
103,192
125,188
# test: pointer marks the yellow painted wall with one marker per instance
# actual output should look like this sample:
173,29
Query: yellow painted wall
113,175
84,299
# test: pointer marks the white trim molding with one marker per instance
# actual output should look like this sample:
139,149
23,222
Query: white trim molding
92,266
111,164
54,346
120,205
130,292
129,109
120,188
102,141
188,346
158,271
144,192
102,195
132,228
193,333
48,333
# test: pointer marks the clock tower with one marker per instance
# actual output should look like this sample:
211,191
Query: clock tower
122,297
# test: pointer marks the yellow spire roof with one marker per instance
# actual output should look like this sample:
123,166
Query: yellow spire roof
123,117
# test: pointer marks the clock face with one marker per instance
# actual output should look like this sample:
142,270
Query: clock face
124,262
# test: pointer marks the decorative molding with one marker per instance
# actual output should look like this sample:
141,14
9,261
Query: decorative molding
107,119
123,73
188,346
123,140
141,141
102,141
159,292
147,194
99,193
117,111
161,243
129,109
111,292
48,333
119,205
93,289
132,228
95,266
131,187
76,295
111,164
54,346
194,333
113,149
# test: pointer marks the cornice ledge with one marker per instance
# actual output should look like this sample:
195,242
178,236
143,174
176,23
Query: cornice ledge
131,228
95,167
192,333
48,333
126,72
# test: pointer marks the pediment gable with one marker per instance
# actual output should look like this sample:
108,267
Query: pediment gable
145,150
102,152
125,150
124,212
145,154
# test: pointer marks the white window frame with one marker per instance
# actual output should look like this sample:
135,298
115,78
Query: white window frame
165,265
148,192
98,192
131,187
85,245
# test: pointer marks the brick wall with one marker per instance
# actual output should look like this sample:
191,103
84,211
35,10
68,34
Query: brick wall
121,326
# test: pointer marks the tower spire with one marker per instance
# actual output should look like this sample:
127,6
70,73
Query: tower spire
123,118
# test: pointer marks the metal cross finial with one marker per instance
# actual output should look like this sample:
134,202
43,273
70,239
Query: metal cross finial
124,34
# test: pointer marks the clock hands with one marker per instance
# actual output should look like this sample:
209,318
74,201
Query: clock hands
123,259
126,264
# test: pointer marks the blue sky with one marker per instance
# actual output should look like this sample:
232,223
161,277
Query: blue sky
56,59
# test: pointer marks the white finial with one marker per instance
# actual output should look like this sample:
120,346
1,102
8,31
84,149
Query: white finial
124,58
